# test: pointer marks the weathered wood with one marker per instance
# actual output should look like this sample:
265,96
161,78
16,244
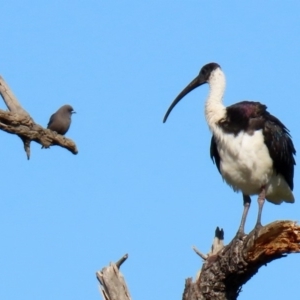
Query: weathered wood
113,285
10,99
223,274
18,121
226,268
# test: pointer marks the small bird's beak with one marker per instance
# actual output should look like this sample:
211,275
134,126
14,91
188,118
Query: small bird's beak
192,85
73,112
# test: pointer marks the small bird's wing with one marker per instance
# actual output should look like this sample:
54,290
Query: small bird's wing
281,148
50,120
214,153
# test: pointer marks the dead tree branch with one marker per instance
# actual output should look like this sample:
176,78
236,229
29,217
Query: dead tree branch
18,121
224,273
112,282
226,268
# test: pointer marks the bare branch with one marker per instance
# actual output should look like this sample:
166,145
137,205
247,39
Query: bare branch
121,261
18,121
10,99
223,274
198,252
113,285
26,128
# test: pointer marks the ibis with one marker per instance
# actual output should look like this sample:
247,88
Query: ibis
251,148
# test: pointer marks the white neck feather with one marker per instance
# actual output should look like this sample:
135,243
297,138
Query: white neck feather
214,108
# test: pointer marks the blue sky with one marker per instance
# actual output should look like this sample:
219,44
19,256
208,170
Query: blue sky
137,186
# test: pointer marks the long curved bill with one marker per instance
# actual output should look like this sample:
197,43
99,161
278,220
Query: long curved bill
192,85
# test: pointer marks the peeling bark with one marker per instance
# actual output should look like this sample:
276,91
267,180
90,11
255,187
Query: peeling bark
223,274
18,121
226,268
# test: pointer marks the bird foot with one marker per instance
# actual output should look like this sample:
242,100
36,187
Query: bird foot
240,235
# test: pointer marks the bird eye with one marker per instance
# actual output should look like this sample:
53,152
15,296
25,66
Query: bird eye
204,73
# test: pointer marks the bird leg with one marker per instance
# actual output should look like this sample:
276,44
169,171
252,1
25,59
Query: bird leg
261,201
247,202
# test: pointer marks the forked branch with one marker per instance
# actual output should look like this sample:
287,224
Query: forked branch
18,121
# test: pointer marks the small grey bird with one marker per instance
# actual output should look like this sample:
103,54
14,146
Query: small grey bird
61,120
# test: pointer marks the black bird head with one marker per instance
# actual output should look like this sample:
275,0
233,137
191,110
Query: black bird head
202,78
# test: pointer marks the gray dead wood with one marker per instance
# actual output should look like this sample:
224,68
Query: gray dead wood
18,121
226,268
112,283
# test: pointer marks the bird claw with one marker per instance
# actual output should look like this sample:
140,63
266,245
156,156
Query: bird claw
240,235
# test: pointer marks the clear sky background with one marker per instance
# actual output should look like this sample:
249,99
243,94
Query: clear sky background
137,186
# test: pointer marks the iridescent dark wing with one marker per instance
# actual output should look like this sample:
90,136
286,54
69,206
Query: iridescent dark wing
281,148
